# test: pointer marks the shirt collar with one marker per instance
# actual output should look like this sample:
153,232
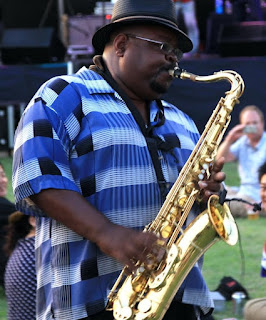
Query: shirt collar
96,84
259,144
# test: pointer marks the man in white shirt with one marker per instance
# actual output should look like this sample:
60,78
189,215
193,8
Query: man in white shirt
245,144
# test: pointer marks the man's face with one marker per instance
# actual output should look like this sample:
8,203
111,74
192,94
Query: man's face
145,67
263,191
3,183
251,118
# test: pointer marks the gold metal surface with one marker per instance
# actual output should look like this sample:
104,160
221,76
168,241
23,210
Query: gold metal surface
148,294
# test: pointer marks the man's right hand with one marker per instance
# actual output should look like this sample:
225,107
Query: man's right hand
124,244
127,245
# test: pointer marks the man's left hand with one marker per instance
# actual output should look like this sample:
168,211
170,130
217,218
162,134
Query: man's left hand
213,184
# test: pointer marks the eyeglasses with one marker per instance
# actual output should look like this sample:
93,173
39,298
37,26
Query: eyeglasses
165,47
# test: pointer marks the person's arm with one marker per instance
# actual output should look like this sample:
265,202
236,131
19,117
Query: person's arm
71,209
124,244
232,136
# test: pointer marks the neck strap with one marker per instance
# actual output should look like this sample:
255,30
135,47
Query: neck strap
153,142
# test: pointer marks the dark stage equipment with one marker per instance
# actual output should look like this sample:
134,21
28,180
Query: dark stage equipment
31,45
80,30
243,39
40,13
214,24
28,14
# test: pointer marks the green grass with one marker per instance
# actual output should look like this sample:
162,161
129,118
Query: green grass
7,164
241,261
2,304
232,177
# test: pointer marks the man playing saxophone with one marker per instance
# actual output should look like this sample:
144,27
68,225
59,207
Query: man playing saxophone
95,156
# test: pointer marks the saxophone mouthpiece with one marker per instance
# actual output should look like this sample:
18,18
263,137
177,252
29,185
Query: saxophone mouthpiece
176,72
182,74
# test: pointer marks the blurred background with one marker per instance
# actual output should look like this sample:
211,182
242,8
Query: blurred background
44,38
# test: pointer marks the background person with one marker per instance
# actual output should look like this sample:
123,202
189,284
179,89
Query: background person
188,8
245,144
255,309
20,274
6,208
262,179
95,155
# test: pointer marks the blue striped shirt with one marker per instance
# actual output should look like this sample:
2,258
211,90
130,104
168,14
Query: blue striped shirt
78,134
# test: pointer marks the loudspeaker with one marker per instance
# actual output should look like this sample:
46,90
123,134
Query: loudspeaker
29,13
243,39
79,7
80,30
31,45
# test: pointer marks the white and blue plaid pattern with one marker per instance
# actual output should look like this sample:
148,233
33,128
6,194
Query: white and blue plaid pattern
78,134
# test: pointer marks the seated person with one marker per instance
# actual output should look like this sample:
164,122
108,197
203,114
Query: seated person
20,274
255,309
6,208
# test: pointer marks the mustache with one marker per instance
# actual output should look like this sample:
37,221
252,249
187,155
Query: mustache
165,69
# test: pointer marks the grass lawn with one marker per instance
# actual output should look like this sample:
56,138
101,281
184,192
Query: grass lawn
2,305
241,261
7,164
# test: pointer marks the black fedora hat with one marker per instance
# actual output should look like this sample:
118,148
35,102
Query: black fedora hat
125,12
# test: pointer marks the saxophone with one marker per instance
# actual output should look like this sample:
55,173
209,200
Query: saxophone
148,292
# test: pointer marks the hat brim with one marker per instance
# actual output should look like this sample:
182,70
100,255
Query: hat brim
102,35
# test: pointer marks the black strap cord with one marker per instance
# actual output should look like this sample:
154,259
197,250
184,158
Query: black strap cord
222,199
256,206
153,142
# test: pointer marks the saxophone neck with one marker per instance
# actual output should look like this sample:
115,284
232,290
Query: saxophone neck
236,81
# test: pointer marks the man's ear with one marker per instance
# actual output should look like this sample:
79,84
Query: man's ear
120,43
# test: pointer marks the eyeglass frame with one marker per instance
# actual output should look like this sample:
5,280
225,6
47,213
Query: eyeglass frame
165,47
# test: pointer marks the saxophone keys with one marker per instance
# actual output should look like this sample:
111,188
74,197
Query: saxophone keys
124,313
171,259
139,283
205,166
182,201
189,187
208,160
144,305
166,231
201,176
